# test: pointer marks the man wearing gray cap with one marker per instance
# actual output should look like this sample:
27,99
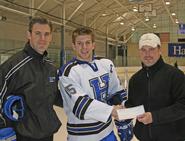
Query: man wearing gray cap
160,88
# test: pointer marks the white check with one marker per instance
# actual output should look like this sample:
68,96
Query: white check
130,113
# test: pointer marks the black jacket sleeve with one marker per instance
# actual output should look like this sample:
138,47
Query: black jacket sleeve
58,99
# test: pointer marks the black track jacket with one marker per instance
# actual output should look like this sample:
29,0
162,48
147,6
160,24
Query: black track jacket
160,88
32,76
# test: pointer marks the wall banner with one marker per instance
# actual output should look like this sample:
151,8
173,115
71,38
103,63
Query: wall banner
176,49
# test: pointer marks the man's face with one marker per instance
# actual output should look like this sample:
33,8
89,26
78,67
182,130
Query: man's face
149,55
40,37
83,47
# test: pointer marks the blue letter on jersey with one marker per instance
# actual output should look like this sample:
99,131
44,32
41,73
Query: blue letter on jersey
100,87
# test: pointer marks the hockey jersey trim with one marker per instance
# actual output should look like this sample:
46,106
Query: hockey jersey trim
87,128
65,70
81,106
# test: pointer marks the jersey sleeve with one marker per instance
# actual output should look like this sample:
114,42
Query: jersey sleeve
79,103
117,95
114,84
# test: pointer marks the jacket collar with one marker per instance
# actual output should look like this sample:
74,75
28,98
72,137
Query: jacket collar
91,64
154,67
30,51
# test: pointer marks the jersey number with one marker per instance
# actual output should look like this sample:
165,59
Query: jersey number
70,90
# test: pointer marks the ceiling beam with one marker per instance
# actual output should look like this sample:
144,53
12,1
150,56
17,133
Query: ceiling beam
62,23
118,2
14,11
95,19
106,22
75,11
39,7
31,4
168,11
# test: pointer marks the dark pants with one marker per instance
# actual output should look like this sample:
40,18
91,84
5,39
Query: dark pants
22,138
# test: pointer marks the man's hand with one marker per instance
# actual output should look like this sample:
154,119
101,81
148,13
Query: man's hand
114,111
145,118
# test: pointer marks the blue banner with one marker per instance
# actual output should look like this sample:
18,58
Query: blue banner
176,49
181,29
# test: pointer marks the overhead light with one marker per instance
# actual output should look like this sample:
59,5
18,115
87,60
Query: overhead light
173,14
147,19
176,21
135,9
154,26
104,14
167,2
121,23
133,29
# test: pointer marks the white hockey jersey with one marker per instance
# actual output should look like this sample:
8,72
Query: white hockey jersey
85,88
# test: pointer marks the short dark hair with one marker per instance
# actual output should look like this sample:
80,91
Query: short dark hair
39,20
82,31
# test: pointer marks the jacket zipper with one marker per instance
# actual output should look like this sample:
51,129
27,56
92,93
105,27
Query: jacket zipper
149,94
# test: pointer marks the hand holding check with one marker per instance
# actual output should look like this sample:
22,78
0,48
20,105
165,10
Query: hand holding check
130,113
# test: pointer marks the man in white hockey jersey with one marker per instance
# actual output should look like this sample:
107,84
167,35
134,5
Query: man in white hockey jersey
89,88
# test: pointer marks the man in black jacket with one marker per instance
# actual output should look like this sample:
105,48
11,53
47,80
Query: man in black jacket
32,76
160,88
